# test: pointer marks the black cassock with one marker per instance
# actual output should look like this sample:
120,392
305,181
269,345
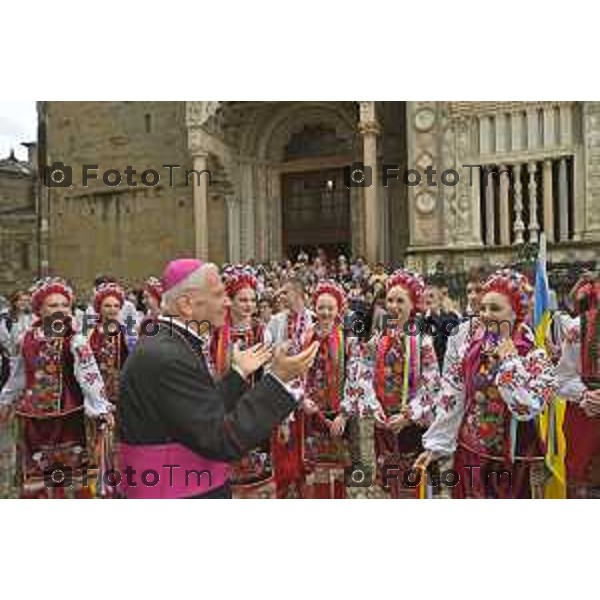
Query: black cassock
168,399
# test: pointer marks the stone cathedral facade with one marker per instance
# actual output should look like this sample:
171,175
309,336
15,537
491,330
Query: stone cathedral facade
457,182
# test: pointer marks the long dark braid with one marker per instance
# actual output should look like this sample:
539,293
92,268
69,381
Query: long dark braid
4,366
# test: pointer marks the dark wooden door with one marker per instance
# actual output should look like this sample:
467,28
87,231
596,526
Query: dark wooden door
316,212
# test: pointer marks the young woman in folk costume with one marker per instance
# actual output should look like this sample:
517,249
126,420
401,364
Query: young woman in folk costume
16,322
55,383
495,383
578,375
405,380
252,477
293,326
326,453
153,291
108,342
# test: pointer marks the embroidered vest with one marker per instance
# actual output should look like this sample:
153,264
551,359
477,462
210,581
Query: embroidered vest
51,389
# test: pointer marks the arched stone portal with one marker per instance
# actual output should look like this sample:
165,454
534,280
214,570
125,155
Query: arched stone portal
285,161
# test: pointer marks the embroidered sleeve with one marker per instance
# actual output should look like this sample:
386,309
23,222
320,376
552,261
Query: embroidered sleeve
526,383
267,337
296,387
570,385
422,406
359,394
272,330
449,410
89,378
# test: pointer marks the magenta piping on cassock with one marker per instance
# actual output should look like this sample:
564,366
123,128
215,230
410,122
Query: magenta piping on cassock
181,472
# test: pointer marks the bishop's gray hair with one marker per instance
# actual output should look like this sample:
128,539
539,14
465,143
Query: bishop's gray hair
194,281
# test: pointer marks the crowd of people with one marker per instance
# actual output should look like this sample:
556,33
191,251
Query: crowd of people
404,379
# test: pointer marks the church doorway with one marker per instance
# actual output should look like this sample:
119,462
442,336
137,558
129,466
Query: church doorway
316,213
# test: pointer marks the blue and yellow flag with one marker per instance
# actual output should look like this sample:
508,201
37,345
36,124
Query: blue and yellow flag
551,420
541,302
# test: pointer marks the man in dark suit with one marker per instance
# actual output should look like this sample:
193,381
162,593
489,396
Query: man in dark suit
179,429
439,322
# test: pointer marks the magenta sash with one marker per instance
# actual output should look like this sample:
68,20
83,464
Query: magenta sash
181,472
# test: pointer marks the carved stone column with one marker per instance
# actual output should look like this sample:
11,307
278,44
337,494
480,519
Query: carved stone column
437,214
261,214
534,226
357,233
489,209
516,136
566,124
504,207
248,202
532,129
486,145
548,201
519,226
200,196
274,215
44,240
234,228
549,127
471,204
383,226
563,200
591,126
197,115
502,130
369,129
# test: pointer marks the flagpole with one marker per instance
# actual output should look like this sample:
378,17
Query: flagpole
554,459
542,254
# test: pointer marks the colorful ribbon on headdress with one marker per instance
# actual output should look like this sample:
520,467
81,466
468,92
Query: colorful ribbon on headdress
47,286
335,290
106,290
515,286
236,278
410,281
155,287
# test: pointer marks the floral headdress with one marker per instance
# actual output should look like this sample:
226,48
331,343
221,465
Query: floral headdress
411,282
106,290
515,286
154,286
237,278
45,287
332,288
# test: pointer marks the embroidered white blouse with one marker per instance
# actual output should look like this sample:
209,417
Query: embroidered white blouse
85,370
